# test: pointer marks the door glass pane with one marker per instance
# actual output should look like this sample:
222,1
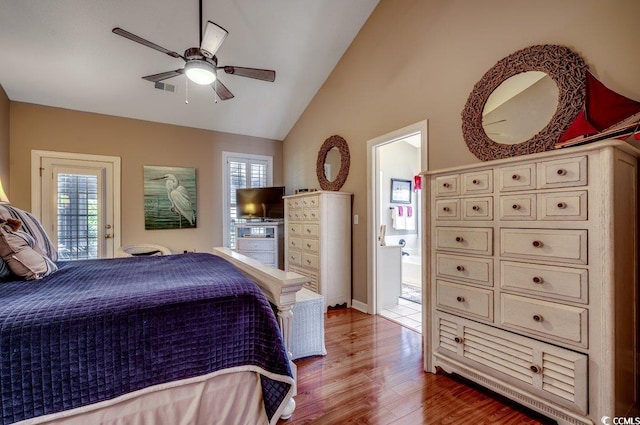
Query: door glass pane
77,204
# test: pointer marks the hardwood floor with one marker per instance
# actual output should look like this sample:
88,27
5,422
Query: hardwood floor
373,374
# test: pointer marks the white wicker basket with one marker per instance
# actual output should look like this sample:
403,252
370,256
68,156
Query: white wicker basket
307,330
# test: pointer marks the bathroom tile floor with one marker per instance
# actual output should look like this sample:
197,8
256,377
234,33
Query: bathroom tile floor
407,313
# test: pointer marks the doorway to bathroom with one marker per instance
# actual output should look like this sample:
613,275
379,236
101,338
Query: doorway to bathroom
395,206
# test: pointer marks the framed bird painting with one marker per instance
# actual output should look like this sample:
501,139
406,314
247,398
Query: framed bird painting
169,197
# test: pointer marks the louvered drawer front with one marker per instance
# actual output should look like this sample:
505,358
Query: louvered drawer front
310,245
477,209
294,229
558,283
551,372
521,177
557,322
472,269
295,258
312,285
518,207
563,206
311,214
465,299
295,243
310,229
447,185
310,261
448,209
563,172
477,182
310,201
465,239
554,245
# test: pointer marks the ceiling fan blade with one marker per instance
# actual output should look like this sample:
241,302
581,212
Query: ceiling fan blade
212,39
221,90
133,37
258,74
163,75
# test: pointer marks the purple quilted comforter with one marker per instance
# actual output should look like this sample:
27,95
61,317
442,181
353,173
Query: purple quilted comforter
98,329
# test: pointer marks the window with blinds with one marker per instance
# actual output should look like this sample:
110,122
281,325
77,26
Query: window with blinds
244,172
77,204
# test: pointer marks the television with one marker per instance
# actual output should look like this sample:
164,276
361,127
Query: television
260,202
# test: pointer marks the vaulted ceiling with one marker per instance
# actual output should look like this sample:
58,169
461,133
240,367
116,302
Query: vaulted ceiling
62,53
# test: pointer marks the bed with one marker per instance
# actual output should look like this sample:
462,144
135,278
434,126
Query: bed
180,339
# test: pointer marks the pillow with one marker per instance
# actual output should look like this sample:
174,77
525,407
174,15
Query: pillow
32,226
19,250
4,269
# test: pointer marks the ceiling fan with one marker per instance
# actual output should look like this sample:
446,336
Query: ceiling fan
201,63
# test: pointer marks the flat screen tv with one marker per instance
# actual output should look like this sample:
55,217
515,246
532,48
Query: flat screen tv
260,202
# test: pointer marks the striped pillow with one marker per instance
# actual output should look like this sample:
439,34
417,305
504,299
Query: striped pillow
20,252
32,226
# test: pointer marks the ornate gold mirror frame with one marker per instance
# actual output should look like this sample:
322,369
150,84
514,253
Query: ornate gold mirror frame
563,65
345,160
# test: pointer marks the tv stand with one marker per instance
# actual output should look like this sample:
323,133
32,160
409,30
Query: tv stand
262,241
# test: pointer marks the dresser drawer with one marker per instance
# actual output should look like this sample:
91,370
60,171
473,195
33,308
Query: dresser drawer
294,229
264,257
558,283
447,185
448,209
563,205
518,207
563,172
520,177
477,208
310,229
553,373
465,239
294,203
471,269
311,214
294,258
310,201
557,322
256,244
294,215
465,299
477,182
295,243
310,245
310,261
549,244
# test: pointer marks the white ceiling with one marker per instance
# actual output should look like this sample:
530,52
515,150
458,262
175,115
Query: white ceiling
62,53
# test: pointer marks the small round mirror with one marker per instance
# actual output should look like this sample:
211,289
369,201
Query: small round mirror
520,107
332,164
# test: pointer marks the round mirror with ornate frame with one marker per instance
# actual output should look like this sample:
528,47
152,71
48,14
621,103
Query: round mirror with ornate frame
327,150
564,66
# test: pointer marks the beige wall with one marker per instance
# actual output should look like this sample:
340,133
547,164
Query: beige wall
138,143
419,59
4,141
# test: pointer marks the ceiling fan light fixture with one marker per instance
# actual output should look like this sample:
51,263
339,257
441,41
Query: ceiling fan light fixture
200,72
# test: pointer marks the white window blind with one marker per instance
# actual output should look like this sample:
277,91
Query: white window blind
77,203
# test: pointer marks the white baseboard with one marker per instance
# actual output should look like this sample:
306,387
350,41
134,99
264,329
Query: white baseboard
360,306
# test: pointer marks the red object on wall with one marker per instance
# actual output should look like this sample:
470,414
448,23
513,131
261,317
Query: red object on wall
417,182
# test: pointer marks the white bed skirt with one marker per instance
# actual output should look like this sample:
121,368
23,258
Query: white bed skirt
231,397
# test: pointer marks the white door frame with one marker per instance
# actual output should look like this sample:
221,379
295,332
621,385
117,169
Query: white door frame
373,198
36,186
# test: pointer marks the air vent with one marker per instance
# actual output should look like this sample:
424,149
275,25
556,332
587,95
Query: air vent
165,87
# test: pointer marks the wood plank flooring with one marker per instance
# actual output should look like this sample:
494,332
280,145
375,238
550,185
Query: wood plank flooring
373,374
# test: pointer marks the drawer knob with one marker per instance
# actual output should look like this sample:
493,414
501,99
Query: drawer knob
459,239
562,205
515,177
460,299
458,340
293,258
537,280
475,181
535,369
293,243
515,206
475,208
446,209
308,261
460,268
308,230
561,172
308,245
537,318
447,185
537,244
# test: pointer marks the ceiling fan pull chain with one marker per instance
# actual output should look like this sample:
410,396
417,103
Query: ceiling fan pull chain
186,91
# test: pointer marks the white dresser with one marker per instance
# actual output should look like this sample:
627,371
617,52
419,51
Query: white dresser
262,241
318,242
532,279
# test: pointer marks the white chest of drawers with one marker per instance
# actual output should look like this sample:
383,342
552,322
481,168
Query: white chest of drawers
532,280
318,242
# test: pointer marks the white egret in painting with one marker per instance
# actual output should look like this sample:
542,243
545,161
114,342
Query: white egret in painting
179,197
